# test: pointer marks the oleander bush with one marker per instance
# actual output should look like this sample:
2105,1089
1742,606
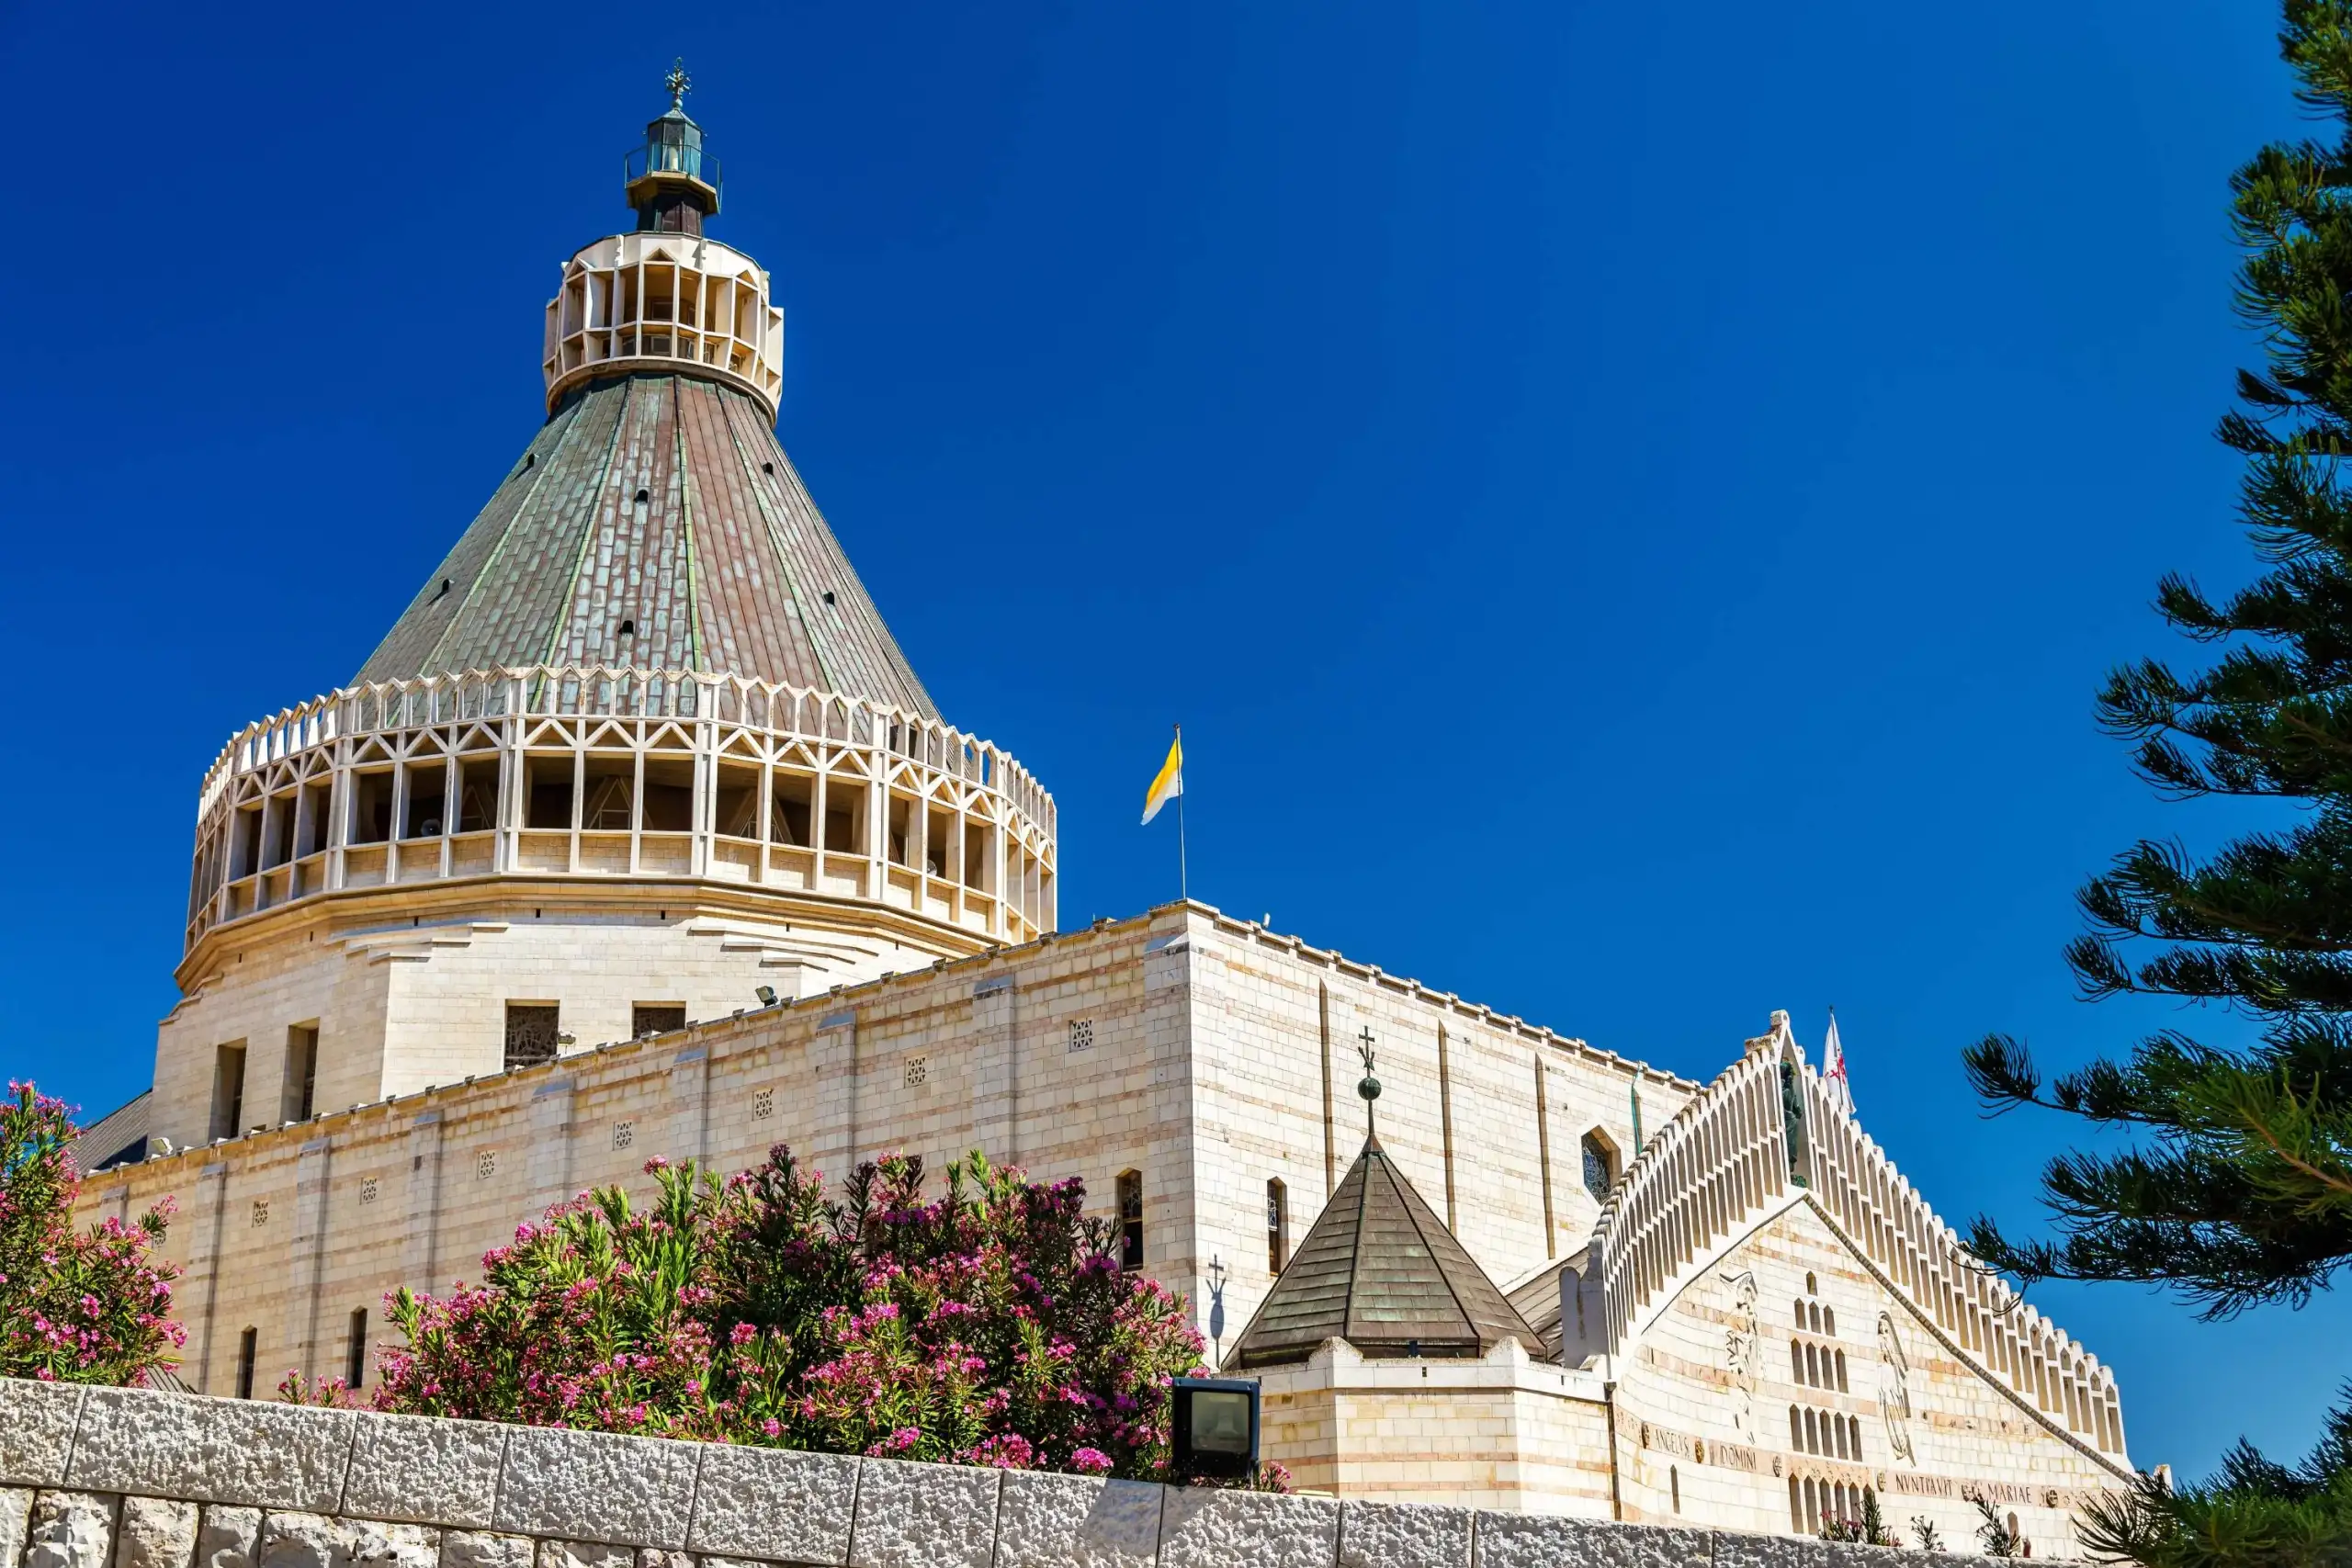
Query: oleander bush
75,1306
989,1325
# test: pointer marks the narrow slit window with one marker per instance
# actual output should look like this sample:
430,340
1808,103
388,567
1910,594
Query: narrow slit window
302,1073
248,1351
1130,1190
355,1353
1277,1227
229,1090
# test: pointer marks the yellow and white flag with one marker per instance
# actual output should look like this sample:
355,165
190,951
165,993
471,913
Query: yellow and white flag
1171,782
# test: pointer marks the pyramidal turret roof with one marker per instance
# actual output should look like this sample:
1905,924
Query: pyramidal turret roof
1382,1272
654,523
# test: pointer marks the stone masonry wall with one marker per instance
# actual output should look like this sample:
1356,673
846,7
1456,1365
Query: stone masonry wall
1182,1045
123,1477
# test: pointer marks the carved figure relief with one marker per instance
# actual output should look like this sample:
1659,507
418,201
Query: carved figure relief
1895,1390
1743,1348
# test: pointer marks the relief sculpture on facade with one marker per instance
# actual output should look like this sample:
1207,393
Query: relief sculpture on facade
1741,1348
1895,1390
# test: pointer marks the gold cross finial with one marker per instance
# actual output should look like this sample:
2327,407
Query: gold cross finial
677,83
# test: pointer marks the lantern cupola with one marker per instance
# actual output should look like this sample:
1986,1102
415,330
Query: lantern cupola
673,180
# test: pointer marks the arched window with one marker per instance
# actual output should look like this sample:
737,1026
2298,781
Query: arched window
1130,1189
1837,1437
1799,1315
1812,1434
1277,1227
1854,1435
1841,1372
1830,1321
1674,1480
1811,1289
1796,1505
1813,1366
1796,1432
1796,1362
1600,1166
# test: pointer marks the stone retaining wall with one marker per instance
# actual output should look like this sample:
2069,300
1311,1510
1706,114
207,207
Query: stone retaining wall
126,1478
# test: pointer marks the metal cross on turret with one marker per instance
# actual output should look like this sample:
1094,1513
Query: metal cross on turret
1369,1086
677,83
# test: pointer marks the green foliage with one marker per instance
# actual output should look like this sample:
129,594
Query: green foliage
1930,1538
88,1306
1867,1529
989,1325
1994,1534
2257,1511
2238,1189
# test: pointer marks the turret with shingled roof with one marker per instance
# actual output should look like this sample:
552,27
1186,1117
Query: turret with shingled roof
1381,1271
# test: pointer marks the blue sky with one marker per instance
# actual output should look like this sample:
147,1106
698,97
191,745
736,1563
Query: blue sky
1630,512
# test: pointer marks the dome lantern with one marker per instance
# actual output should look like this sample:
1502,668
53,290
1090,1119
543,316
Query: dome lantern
673,181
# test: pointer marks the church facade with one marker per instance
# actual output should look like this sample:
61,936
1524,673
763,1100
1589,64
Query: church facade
638,835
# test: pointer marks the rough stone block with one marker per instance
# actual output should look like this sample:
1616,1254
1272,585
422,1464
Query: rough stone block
381,1545
923,1516
1736,1548
71,1529
15,1517
1076,1521
481,1548
775,1503
1541,1540
228,1538
212,1450
585,1554
660,1557
155,1532
304,1541
597,1486
425,1471
1203,1527
36,1431
1403,1535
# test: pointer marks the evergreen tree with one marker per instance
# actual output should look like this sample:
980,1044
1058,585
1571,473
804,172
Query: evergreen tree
2239,1190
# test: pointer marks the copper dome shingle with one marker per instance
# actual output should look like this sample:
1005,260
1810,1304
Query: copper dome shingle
724,565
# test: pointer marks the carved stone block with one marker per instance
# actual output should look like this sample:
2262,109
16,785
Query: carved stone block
597,1486
924,1516
775,1503
1076,1521
1203,1527
36,1431
1403,1535
425,1471
155,1532
212,1450
71,1529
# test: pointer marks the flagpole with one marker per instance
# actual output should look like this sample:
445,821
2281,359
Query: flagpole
1183,890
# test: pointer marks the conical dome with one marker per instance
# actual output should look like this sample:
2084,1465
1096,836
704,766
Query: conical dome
655,524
